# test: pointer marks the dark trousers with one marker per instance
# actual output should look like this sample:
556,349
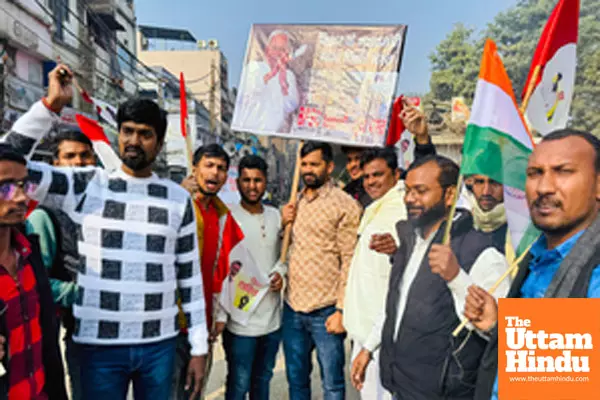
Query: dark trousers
250,363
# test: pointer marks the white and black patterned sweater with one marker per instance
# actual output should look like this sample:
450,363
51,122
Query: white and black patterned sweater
137,244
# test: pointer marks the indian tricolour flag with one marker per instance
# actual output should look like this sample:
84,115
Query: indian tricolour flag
498,144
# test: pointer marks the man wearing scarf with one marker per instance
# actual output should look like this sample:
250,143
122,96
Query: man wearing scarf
489,215
217,234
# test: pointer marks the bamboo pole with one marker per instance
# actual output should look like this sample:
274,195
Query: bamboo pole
294,194
530,88
446,239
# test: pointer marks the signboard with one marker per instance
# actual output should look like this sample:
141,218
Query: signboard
320,82
22,95
460,110
229,193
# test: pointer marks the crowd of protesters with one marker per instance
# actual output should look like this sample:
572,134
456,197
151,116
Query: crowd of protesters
125,262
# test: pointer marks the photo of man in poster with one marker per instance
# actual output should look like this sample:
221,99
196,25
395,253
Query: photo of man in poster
268,91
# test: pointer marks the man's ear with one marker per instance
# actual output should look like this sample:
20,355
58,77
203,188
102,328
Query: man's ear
330,167
449,196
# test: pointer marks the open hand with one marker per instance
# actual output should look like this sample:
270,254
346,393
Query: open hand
195,376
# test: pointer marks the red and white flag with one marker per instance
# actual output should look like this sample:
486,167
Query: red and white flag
102,146
556,57
106,112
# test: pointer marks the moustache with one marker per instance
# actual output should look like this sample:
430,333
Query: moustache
136,149
309,174
546,201
487,197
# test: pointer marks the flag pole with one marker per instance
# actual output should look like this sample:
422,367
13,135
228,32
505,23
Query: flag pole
446,239
530,88
188,146
183,114
293,196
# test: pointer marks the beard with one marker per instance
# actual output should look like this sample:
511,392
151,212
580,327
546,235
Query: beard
317,182
138,162
428,216
247,200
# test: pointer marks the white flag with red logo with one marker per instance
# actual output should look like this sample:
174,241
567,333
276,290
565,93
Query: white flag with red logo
106,112
556,56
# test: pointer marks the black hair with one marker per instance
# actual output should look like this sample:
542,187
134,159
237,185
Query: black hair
144,111
588,137
326,150
212,151
253,162
349,149
8,153
387,154
71,136
449,170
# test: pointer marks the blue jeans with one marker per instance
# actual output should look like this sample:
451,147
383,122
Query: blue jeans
250,363
302,332
107,370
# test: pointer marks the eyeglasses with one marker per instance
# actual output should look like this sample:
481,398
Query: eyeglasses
8,190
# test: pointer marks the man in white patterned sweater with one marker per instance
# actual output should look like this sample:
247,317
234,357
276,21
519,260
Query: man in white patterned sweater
138,252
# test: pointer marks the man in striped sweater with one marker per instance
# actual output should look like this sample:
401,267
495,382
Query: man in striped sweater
138,252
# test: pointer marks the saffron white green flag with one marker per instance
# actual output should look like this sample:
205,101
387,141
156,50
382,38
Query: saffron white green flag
498,144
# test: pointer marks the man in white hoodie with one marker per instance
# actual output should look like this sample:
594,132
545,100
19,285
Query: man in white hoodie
369,271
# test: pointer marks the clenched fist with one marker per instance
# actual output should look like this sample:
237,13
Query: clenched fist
443,262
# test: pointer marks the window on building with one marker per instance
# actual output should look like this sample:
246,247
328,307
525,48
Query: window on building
125,59
60,13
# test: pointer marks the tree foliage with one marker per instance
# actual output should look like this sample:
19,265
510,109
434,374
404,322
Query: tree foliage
516,31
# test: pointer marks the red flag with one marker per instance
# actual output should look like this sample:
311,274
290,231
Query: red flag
102,147
556,58
31,205
183,105
91,129
396,126
232,235
85,96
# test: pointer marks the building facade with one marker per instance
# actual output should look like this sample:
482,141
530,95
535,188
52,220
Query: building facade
203,64
165,91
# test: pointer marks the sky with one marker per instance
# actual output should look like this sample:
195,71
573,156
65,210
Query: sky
229,21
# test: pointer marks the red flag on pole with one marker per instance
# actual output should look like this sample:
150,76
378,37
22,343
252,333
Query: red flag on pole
183,105
396,126
551,79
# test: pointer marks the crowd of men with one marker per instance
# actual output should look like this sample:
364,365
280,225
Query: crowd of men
126,262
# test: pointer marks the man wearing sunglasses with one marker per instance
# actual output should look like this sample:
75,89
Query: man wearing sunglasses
29,349
138,252
58,242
